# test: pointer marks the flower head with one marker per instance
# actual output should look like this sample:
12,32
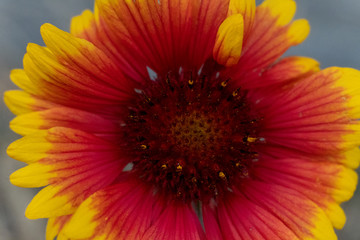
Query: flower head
180,120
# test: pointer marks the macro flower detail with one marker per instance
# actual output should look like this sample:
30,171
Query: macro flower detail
182,120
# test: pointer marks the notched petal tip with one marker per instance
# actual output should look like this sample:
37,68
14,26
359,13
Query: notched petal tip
30,148
22,80
18,102
26,124
283,10
48,203
229,40
54,226
32,176
81,224
80,23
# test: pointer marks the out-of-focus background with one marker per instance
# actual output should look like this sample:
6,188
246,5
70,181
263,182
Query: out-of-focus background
334,40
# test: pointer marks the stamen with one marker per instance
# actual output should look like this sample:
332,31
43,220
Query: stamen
179,168
222,175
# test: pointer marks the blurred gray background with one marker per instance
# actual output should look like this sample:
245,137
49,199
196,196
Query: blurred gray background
334,40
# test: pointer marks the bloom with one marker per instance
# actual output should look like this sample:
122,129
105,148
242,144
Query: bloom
178,120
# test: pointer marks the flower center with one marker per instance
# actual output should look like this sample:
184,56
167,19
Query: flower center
191,136
195,133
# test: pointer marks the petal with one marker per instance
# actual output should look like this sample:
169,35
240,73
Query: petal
325,183
229,40
20,102
177,222
351,158
270,37
84,25
298,31
282,10
305,219
55,225
47,203
164,35
73,72
211,222
75,164
349,81
83,56
319,117
121,211
288,70
20,79
63,117
33,176
91,27
247,9
240,218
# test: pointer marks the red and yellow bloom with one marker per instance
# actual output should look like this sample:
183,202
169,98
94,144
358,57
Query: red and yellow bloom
178,120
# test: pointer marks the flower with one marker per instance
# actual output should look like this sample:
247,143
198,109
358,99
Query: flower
179,120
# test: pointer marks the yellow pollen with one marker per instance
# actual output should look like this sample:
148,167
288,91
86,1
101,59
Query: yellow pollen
245,173
224,83
148,100
191,82
235,93
179,168
250,139
163,166
144,147
237,164
222,175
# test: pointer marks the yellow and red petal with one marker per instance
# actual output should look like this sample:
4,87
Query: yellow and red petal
20,102
84,26
89,26
55,225
271,35
247,9
240,218
302,216
122,211
269,211
233,32
64,117
229,40
75,67
326,184
286,71
82,57
319,117
33,176
75,164
282,11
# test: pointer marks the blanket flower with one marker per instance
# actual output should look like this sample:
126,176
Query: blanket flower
179,119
